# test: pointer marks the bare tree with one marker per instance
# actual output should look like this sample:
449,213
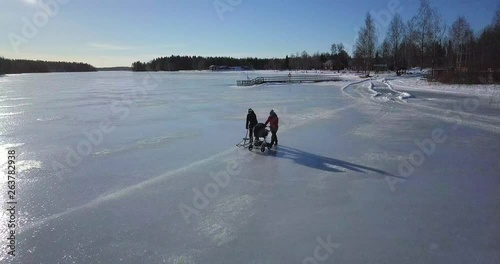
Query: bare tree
385,51
428,25
366,42
436,34
460,35
410,46
423,19
496,19
394,38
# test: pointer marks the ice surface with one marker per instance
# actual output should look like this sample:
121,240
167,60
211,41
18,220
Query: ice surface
168,185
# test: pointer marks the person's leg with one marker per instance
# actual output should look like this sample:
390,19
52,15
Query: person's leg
250,134
275,136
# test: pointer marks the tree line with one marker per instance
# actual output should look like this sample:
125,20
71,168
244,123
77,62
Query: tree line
425,41
183,63
298,61
10,66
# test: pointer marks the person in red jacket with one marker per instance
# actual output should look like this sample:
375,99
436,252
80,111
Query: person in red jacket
273,121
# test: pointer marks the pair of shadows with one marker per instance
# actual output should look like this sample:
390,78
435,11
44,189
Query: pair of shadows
322,162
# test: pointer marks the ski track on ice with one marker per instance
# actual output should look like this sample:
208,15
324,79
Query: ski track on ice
459,118
456,117
487,123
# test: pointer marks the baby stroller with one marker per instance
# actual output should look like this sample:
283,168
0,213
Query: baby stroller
260,131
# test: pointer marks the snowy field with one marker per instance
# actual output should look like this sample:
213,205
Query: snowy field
122,167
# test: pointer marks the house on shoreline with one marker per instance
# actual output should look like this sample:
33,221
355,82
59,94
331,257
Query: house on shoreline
328,65
227,68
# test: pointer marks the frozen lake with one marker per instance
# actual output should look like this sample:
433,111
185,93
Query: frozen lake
122,167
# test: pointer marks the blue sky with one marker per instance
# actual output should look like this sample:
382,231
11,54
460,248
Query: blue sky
118,32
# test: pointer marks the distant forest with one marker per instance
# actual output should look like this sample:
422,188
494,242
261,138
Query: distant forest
8,66
339,60
424,41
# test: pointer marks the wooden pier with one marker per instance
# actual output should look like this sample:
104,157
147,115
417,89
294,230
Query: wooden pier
288,79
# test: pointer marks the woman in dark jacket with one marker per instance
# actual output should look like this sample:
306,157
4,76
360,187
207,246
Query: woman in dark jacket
251,122
273,121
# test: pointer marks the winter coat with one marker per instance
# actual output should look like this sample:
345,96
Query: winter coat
273,121
251,120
